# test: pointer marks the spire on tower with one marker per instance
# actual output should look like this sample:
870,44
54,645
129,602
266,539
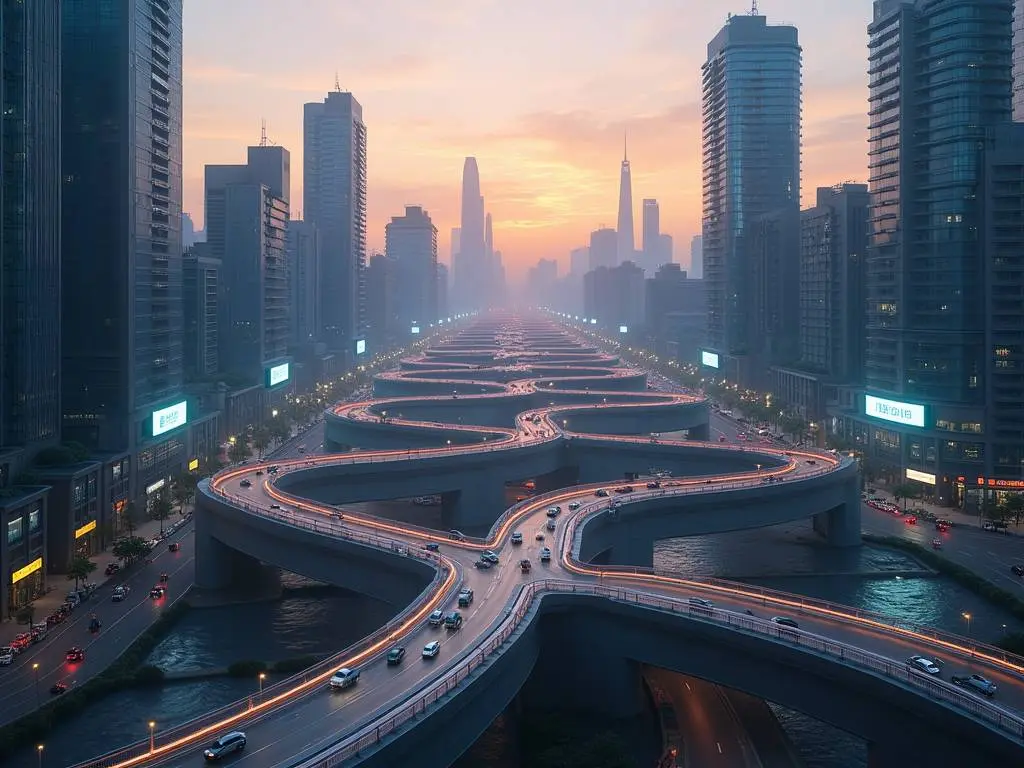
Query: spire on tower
263,132
337,82
625,146
753,8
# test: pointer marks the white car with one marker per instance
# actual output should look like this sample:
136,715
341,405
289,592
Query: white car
6,657
430,650
573,505
923,664
545,555
344,678
517,537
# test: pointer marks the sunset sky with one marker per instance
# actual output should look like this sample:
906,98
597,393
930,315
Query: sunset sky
540,91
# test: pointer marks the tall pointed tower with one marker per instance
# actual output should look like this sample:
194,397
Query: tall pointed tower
625,228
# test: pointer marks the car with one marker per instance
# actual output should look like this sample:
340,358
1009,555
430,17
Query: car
539,537
976,683
111,569
947,523
6,656
525,565
517,538
545,554
785,621
456,535
483,565
654,484
552,512
465,597
157,592
1018,570
910,520
431,649
453,621
396,655
344,678
436,618
432,546
275,506
259,472
247,483
624,489
923,664
551,525
273,470
491,556
573,506
174,546
119,594
227,744
700,602
601,493
74,655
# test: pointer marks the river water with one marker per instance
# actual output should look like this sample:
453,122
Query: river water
320,620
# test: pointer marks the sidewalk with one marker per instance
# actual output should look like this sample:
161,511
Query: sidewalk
58,585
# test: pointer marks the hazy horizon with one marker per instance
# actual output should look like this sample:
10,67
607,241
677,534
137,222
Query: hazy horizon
539,93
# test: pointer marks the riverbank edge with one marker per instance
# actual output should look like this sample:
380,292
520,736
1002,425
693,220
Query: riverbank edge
962,575
245,668
126,671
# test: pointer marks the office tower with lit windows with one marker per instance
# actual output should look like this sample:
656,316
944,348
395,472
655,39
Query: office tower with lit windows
334,197
751,167
411,245
943,258
121,296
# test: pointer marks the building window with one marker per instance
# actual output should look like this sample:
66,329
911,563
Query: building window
15,531
35,521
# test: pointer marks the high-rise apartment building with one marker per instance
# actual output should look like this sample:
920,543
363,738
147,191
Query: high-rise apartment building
604,249
751,166
334,196
941,83
382,329
302,248
247,209
696,270
651,222
30,285
411,245
615,297
665,250
830,302
674,313
121,220
200,304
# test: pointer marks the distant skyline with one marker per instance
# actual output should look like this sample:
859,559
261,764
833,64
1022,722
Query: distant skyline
542,111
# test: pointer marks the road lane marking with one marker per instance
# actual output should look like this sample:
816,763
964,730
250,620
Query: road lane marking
719,745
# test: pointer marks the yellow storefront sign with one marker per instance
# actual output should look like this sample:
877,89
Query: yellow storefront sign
87,528
28,570
193,465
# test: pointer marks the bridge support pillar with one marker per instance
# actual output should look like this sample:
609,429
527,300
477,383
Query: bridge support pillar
220,567
475,507
841,525
699,432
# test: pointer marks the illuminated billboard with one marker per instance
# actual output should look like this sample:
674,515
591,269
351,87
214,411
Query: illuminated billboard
593,321
922,477
908,414
278,374
710,359
415,329
171,417
623,329
361,346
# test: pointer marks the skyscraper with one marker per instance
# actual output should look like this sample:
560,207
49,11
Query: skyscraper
247,213
471,268
603,250
334,195
626,240
30,246
941,81
411,245
303,257
751,166
122,256
696,269
651,220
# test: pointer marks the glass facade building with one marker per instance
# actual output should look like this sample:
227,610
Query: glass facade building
940,80
334,196
751,163
122,266
30,238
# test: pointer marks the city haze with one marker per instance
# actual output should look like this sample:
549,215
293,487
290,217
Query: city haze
540,93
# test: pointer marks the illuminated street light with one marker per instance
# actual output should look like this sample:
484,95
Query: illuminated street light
263,676
967,617
152,728
39,751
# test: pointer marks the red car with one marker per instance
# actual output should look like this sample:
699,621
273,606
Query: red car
75,656
910,520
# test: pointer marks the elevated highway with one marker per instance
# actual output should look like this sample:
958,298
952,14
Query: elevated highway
592,614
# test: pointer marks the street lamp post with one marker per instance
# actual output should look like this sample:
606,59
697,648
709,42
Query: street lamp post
35,672
263,676
967,617
39,752
152,740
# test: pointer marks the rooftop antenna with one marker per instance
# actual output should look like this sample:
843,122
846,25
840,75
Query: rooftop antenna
753,8
625,146
263,132
337,83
